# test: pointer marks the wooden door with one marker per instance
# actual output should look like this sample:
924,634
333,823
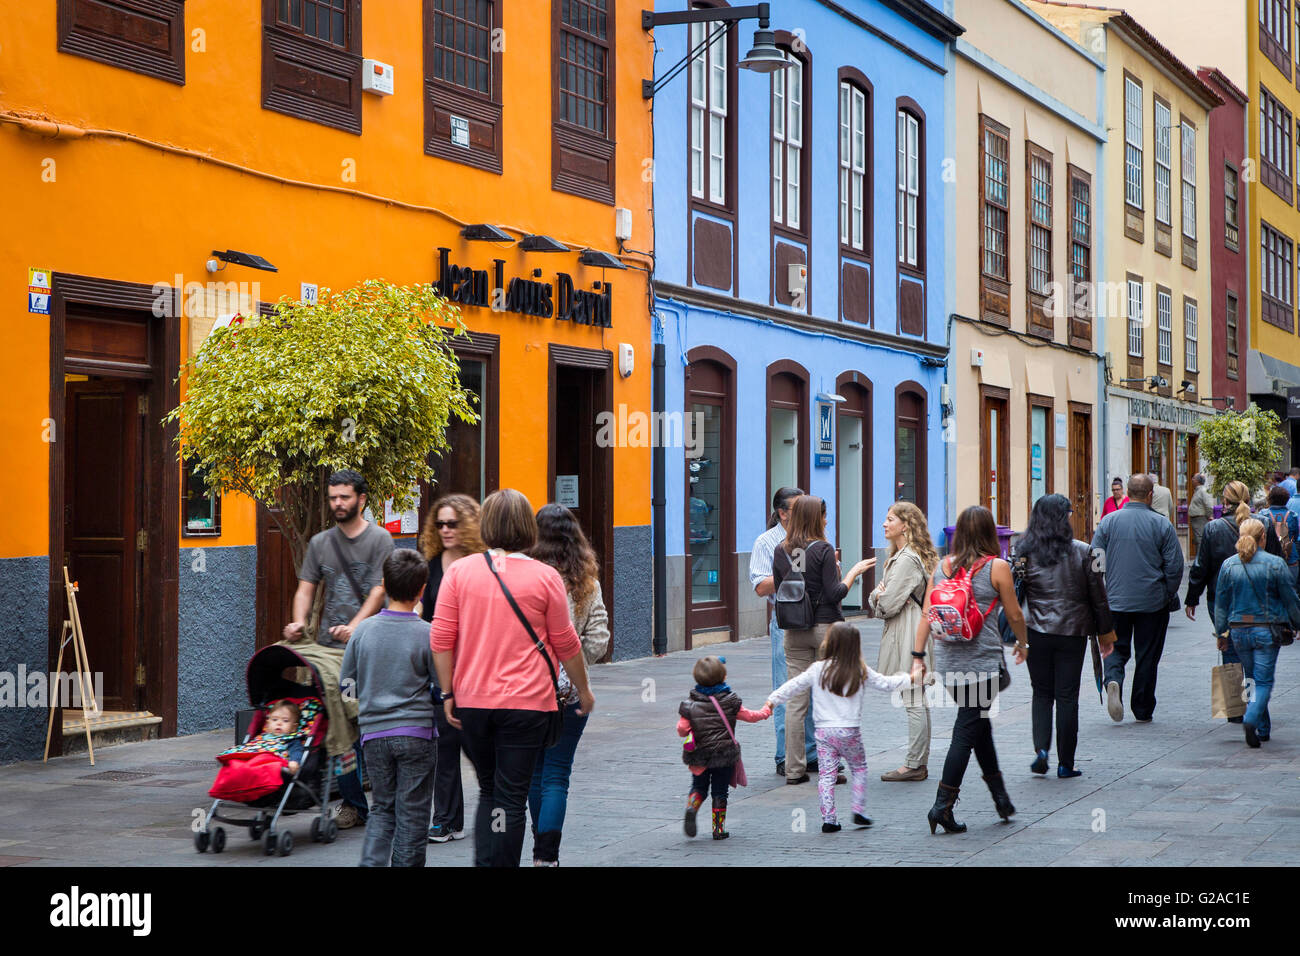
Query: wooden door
995,454
102,477
1138,451
277,579
1081,473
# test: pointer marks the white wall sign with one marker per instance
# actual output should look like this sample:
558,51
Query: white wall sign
1062,431
308,294
460,131
566,490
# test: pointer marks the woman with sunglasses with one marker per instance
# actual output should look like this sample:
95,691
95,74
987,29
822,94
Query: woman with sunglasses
450,533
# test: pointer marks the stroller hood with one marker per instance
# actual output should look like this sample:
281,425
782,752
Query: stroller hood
266,680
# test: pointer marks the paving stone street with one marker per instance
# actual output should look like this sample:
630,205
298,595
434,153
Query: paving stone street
1182,790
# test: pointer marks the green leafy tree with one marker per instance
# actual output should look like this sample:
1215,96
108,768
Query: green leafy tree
1241,446
364,379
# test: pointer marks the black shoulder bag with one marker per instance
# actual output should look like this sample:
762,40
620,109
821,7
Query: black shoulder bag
555,721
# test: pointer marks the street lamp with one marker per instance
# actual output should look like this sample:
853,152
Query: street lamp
764,57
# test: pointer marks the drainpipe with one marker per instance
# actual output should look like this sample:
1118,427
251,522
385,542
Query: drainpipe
658,507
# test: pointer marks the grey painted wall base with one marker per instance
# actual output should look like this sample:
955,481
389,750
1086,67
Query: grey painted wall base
633,592
751,614
216,635
24,641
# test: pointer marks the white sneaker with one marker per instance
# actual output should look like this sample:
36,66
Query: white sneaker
1114,705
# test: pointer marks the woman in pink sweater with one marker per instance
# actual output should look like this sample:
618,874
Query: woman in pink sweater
501,685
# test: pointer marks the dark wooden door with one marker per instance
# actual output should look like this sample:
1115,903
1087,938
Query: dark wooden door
1081,474
101,523
277,579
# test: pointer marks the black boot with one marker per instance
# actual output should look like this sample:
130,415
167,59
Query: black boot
941,813
546,848
1001,799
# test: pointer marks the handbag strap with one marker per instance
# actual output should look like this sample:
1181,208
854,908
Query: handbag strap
725,722
537,643
347,568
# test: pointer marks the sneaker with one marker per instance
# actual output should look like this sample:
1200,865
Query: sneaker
1252,738
441,833
1114,706
860,821
831,828
780,768
348,817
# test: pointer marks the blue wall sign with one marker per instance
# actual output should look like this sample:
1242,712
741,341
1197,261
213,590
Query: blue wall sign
825,455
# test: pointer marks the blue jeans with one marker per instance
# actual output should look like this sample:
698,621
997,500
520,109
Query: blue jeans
548,797
779,676
1258,655
401,782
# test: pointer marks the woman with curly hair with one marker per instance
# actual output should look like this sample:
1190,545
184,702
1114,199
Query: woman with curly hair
1064,588
562,545
898,599
450,533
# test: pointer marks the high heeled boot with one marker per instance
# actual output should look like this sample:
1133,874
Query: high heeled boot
1001,799
941,813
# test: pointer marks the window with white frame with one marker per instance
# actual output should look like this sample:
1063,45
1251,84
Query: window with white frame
1275,265
1164,327
1189,179
1135,320
1164,164
1274,140
708,90
853,165
787,144
1040,220
909,187
1132,142
1231,231
1190,334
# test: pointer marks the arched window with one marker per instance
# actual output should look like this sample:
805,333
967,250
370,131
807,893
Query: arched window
910,165
855,162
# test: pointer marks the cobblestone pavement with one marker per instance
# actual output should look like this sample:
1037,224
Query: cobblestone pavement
1181,790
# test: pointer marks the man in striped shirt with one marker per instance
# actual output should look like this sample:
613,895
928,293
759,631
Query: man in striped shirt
760,579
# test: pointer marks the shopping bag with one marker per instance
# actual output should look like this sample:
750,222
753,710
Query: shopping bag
1226,691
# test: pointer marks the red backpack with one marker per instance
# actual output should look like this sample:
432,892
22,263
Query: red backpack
953,606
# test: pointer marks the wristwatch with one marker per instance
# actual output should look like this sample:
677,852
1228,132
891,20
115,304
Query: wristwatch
446,695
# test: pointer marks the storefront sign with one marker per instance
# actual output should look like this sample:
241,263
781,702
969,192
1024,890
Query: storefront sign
1171,412
825,456
1293,403
562,301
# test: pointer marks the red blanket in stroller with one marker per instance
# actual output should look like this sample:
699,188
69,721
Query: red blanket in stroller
254,768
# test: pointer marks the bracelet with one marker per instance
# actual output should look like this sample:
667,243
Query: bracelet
919,655
1022,647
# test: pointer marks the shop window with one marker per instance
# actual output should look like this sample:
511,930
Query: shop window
909,444
582,139
462,81
202,506
711,487
787,426
122,34
311,60
1041,447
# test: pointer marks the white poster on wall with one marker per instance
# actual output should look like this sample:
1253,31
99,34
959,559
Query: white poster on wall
1062,431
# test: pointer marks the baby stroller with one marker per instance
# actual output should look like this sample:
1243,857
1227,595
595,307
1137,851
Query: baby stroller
255,779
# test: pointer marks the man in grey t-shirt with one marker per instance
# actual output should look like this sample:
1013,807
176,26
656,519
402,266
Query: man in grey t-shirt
354,542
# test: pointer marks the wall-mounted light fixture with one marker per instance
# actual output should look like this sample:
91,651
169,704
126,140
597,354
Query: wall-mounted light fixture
601,260
231,257
541,244
764,57
485,232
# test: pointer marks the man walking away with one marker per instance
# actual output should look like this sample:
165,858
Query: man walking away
1144,570
1162,499
1283,529
1199,511
1289,482
349,560
760,579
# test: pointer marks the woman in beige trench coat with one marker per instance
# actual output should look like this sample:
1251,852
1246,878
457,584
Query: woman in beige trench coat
898,599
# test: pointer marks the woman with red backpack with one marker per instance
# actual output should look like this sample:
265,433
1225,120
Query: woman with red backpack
960,613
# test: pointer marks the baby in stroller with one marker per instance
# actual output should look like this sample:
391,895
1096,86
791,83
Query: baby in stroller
281,767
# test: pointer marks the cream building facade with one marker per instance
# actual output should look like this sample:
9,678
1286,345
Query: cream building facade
1154,297
1027,133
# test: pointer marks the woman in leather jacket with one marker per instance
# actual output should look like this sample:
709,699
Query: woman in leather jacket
1064,602
1256,597
1218,543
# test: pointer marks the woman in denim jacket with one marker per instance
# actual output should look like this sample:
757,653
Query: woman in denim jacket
1255,590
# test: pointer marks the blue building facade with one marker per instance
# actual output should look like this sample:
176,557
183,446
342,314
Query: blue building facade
799,288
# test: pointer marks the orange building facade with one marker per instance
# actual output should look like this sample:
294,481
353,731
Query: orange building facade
136,146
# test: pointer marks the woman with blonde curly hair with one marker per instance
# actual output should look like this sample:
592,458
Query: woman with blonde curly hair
450,533
898,599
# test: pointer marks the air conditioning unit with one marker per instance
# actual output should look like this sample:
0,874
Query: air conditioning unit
797,280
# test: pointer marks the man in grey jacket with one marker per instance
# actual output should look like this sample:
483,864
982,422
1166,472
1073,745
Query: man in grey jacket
1144,570
1162,499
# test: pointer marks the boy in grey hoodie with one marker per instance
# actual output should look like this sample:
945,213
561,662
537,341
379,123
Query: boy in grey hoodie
388,667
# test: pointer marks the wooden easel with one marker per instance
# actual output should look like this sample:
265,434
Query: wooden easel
85,683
